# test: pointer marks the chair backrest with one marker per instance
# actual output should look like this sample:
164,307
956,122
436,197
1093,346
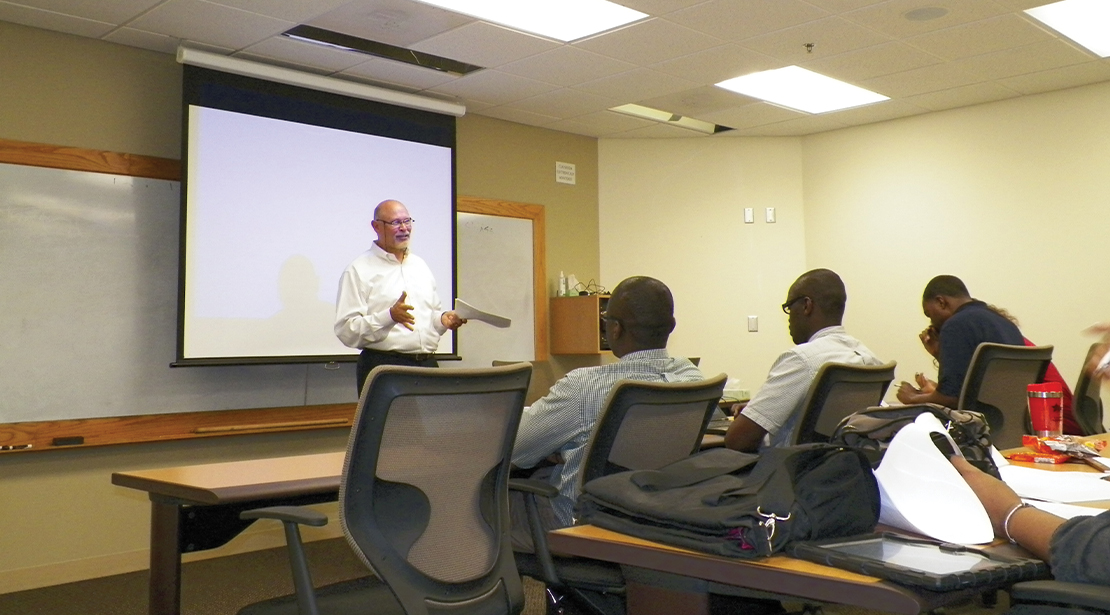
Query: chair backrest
1087,402
840,389
423,499
996,383
543,378
647,425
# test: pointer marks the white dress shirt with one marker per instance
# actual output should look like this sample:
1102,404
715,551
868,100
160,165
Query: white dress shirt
370,286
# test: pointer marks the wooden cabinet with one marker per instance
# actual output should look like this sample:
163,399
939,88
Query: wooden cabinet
576,326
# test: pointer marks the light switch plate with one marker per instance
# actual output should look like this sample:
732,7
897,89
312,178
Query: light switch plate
749,215
753,324
770,215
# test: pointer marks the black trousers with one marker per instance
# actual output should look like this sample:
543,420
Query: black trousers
368,359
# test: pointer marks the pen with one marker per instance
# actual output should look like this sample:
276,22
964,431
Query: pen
15,447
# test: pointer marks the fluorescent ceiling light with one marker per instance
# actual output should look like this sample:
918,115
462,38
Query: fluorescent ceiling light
666,117
797,88
564,20
1086,22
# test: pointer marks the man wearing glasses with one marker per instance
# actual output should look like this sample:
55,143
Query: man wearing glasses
815,305
388,305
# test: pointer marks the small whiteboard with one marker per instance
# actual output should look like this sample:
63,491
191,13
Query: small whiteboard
498,278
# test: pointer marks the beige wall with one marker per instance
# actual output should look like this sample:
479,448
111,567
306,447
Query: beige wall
1010,196
64,520
673,209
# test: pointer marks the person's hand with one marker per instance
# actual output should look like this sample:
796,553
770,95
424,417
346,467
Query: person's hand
1102,328
930,340
401,313
927,386
997,497
451,320
906,392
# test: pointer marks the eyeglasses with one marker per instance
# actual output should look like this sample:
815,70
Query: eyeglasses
786,306
397,223
605,316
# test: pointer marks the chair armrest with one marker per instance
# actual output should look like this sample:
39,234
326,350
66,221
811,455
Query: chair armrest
529,485
1074,594
294,514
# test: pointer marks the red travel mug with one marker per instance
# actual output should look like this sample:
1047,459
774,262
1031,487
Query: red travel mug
1046,411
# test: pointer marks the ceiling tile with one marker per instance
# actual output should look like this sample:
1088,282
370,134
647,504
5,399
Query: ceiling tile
863,64
753,114
979,37
566,65
603,122
734,20
889,17
394,72
484,44
205,22
297,11
657,131
295,52
143,40
920,80
717,64
648,42
636,85
396,22
878,112
657,8
49,20
696,102
493,87
116,12
810,124
973,94
1059,78
519,116
839,6
1028,59
829,36
566,103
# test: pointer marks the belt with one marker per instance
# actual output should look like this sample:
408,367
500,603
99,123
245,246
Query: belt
419,357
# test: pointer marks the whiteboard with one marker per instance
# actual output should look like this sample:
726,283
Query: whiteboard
497,278
88,307
88,304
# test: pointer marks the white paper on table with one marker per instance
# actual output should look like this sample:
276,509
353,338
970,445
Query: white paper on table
469,312
1064,511
1056,486
923,492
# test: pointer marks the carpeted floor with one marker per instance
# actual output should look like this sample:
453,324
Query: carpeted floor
222,586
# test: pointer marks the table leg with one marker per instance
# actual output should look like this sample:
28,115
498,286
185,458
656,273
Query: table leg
653,600
165,559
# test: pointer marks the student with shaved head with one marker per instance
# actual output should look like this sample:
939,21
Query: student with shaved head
815,304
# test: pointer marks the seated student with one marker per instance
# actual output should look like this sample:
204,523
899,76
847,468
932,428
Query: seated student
1077,550
638,322
962,324
930,339
815,305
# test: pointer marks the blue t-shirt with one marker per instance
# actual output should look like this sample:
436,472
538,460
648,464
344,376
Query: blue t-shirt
971,325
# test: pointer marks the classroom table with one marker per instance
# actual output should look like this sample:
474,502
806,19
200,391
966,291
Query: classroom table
193,508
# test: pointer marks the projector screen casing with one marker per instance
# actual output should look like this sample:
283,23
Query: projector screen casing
278,190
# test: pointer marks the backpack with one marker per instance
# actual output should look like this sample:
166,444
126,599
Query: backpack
737,504
871,430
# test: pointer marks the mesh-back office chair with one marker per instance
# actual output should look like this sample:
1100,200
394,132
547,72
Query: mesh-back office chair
839,389
543,378
1060,598
996,383
423,499
645,425
1087,403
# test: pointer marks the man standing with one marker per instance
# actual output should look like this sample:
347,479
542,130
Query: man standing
388,305
962,323
815,305
638,321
